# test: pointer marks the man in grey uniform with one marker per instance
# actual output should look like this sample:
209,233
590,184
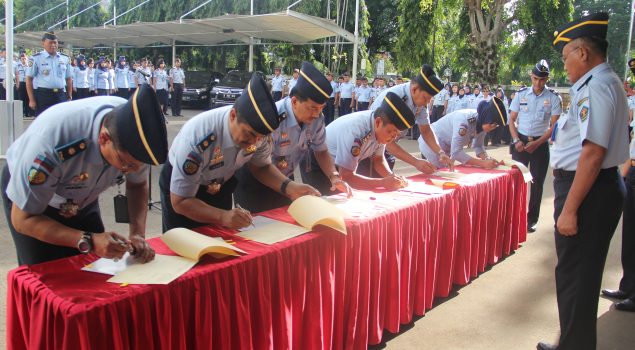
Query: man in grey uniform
50,71
626,288
454,131
277,84
362,135
588,189
416,93
198,180
70,154
301,130
535,109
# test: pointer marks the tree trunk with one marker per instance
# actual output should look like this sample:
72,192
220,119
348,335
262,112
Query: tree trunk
486,31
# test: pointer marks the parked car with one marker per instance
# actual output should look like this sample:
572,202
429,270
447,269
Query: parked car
229,88
198,88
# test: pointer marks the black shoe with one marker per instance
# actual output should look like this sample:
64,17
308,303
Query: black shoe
531,227
545,346
626,305
614,293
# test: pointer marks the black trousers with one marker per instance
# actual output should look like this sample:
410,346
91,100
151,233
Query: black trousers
24,96
581,257
162,96
362,106
33,251
627,283
538,164
171,219
345,106
123,93
103,92
45,98
329,111
277,95
177,97
3,91
254,196
437,113
81,93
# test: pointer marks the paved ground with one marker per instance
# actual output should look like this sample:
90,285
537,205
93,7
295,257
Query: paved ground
510,306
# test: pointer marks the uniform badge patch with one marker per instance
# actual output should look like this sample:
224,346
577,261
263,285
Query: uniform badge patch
355,151
582,101
584,113
462,131
30,63
190,167
37,176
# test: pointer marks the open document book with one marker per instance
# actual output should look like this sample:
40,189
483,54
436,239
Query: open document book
189,245
308,211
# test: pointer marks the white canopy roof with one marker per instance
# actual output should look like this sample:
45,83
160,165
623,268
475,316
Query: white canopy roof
288,26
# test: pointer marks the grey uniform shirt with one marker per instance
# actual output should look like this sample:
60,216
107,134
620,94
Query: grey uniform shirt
177,75
291,141
453,132
49,71
277,83
58,158
535,111
566,146
441,97
351,138
600,103
204,152
403,91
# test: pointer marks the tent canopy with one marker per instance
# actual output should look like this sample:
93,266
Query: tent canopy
288,26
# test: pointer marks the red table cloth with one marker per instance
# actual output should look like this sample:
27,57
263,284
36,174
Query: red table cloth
321,290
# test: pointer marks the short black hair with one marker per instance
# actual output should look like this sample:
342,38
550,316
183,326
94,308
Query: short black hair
302,97
382,113
110,123
596,44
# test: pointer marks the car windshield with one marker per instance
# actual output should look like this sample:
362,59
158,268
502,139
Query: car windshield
235,77
198,79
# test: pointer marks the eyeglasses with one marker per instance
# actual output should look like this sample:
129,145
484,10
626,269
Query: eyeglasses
564,58
127,167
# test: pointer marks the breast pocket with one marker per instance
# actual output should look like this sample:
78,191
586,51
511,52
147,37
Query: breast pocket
61,72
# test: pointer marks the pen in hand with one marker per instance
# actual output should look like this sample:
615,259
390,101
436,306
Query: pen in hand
251,221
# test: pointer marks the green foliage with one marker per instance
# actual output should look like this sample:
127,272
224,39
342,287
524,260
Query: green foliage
617,36
413,45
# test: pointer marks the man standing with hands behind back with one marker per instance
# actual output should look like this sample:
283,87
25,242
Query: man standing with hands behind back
588,188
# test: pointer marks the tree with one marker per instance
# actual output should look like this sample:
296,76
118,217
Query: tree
413,45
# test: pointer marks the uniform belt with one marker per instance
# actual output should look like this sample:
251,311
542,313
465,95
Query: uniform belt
528,138
50,90
607,173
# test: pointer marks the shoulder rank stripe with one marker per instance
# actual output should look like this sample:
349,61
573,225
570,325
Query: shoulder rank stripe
70,150
206,142
585,82
44,163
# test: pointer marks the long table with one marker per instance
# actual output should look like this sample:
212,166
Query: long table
321,290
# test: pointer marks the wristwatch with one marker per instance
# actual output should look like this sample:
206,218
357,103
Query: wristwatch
85,244
334,174
441,151
515,140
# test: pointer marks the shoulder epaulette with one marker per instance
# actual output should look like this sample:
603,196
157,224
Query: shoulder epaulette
471,120
70,150
585,82
206,142
63,54
554,91
37,54
523,89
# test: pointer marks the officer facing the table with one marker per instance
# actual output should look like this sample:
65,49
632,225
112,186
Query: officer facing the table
416,93
50,71
301,130
70,154
362,135
455,130
198,180
588,188
535,109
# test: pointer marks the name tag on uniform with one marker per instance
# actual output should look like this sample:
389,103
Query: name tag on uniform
216,165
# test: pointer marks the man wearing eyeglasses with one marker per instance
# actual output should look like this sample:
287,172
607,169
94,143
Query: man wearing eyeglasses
592,141
535,109
70,154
